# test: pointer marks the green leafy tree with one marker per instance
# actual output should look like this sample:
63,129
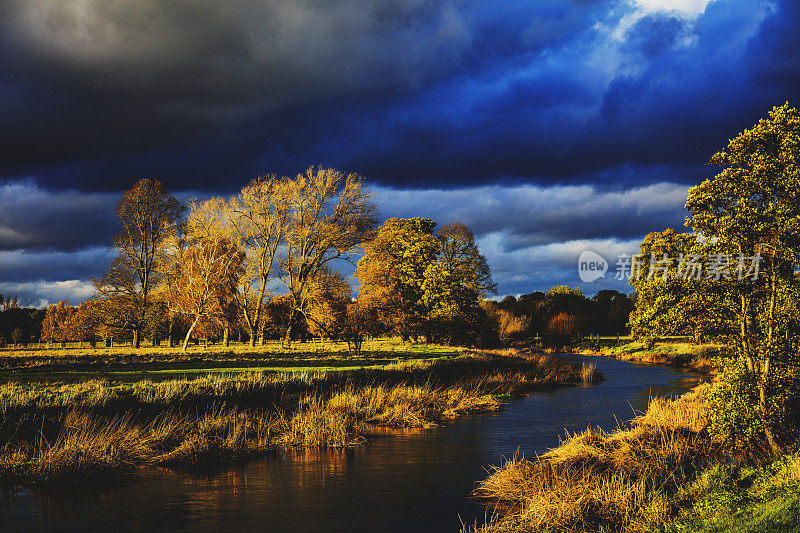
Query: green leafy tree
392,272
611,312
752,206
674,295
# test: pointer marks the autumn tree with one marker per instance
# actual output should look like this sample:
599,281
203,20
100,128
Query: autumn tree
150,218
82,326
55,326
255,220
330,214
560,330
206,278
329,295
356,321
752,206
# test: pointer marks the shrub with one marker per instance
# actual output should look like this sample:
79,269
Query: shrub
734,411
17,336
561,329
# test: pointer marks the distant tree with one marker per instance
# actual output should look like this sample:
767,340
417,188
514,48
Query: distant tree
560,330
330,214
509,303
10,302
150,219
56,324
83,323
28,320
18,336
357,321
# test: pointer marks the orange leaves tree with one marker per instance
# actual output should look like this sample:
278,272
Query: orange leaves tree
329,215
56,323
205,281
327,301
560,330
150,218
83,323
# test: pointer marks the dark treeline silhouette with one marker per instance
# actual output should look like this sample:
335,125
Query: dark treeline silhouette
562,312
18,325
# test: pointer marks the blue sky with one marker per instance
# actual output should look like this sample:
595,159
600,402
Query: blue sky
549,127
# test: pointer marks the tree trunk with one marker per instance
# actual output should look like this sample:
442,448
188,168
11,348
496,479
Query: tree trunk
171,333
136,340
287,340
189,334
226,340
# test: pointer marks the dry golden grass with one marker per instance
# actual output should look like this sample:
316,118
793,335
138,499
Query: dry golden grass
597,480
73,433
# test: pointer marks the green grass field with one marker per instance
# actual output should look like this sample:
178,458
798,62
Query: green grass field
127,364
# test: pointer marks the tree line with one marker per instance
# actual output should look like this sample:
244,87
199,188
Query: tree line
262,264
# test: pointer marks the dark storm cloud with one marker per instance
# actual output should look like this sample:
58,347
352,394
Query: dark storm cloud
93,93
527,215
31,217
18,266
208,94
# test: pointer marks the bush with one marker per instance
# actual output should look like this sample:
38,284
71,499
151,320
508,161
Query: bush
561,329
734,404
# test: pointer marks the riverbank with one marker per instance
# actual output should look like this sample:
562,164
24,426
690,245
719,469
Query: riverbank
664,473
699,358
91,430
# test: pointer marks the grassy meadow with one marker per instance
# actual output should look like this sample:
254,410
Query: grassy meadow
76,416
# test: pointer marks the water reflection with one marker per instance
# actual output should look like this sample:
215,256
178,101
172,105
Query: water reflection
410,480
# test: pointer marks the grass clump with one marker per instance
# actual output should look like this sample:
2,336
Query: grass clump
743,498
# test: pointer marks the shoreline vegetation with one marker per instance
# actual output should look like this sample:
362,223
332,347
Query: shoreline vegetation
665,472
697,357
61,432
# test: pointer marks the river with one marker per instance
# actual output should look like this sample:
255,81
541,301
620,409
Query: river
412,481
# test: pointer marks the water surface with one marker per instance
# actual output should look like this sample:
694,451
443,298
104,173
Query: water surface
414,481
